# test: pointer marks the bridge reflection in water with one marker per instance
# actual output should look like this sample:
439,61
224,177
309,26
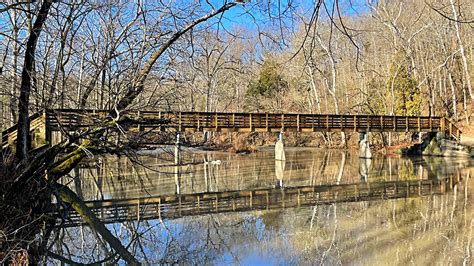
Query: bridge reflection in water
174,206
218,186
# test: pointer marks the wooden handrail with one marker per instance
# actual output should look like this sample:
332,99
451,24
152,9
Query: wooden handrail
9,135
74,119
217,121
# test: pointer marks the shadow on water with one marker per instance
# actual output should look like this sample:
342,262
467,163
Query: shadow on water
318,206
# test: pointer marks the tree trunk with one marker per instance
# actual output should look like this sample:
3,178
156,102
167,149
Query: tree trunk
461,48
453,94
332,88
16,50
314,89
138,85
81,73
23,138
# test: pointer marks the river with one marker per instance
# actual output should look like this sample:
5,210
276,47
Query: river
325,207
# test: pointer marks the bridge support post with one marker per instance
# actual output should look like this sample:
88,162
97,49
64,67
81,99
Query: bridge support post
279,170
177,151
279,149
364,169
365,157
364,148
280,160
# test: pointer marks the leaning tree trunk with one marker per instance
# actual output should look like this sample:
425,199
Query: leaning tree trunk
137,85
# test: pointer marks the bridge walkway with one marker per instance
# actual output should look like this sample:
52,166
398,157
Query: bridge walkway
73,119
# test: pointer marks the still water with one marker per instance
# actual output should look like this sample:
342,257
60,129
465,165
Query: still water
319,207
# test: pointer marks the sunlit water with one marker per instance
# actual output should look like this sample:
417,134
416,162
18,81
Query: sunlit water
431,228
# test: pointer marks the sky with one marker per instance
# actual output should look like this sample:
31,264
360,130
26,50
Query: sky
253,16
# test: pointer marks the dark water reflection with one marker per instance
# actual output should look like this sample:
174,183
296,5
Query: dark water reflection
320,207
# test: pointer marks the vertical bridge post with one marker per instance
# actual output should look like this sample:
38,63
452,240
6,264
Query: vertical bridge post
177,162
279,149
364,148
280,160
48,135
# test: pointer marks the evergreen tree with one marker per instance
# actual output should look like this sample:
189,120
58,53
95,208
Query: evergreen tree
407,94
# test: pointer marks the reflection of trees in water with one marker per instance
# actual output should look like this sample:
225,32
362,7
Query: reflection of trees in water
403,231
424,230
395,231
206,172
187,241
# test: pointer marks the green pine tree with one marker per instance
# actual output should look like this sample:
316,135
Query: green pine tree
407,94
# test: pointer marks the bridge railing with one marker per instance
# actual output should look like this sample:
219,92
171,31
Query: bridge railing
301,122
37,122
450,129
218,121
74,119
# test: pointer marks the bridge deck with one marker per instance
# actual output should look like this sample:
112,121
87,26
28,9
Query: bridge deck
247,122
74,119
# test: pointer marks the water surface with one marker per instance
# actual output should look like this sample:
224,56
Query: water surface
319,207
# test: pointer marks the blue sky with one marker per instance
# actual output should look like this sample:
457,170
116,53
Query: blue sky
254,16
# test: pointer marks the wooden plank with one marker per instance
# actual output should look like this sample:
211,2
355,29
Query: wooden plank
282,122
233,121
250,119
450,129
355,123
266,122
297,122
368,123
216,124
327,122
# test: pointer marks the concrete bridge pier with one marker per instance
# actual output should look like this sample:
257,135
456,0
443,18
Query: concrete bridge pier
280,160
364,148
177,153
279,149
365,165
365,157
279,170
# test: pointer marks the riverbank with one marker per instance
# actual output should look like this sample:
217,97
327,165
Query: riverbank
234,142
244,143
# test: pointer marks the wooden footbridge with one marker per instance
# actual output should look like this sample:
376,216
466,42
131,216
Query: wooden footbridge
176,206
67,120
